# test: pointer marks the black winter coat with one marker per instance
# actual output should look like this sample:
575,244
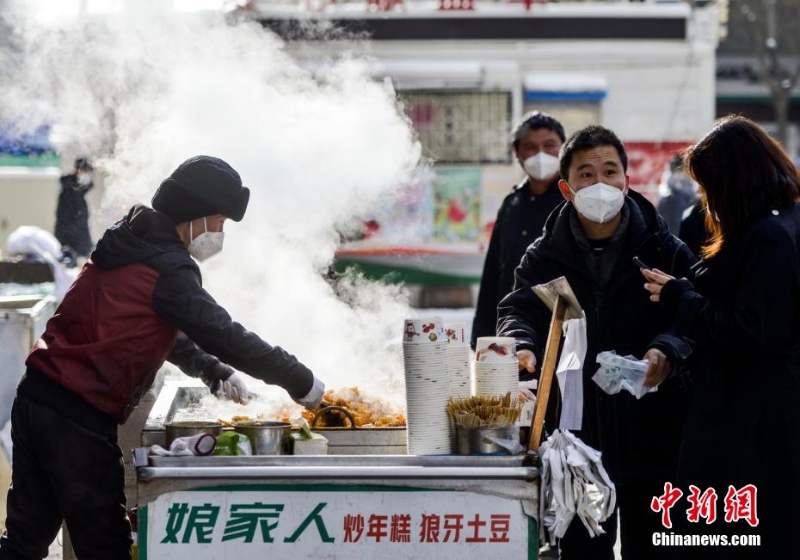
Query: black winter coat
638,438
119,322
743,426
520,221
693,228
72,215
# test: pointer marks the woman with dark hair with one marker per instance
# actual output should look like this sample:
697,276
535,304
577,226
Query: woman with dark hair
741,311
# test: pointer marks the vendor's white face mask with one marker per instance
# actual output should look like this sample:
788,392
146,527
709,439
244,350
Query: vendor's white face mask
207,244
599,202
84,179
541,166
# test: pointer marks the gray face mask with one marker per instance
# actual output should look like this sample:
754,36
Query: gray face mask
207,244
682,183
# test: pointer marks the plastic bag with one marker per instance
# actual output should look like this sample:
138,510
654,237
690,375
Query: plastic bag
617,373
233,443
513,446
200,444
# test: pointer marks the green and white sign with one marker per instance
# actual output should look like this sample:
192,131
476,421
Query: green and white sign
327,521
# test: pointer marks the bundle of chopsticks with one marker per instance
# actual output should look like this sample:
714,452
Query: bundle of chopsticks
484,410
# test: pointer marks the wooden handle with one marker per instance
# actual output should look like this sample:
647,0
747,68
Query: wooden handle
546,376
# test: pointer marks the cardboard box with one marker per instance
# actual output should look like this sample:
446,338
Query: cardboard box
301,445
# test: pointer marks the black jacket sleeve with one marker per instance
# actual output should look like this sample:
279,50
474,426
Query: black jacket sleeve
674,346
194,362
521,314
180,298
485,320
763,303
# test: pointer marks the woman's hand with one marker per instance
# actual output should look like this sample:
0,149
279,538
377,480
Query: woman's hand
655,281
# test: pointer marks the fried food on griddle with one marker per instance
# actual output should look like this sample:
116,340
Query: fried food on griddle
366,410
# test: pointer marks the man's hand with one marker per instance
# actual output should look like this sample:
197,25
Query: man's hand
659,367
234,388
526,360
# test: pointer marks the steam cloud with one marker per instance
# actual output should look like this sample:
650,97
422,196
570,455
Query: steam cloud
148,89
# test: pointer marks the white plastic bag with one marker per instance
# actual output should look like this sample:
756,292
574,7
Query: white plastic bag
617,373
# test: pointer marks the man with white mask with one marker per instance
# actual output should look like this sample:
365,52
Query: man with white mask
101,351
72,211
519,222
591,240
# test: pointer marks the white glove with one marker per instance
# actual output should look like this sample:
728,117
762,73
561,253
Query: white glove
314,397
234,388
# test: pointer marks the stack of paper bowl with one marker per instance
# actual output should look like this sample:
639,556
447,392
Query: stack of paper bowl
459,355
496,368
427,387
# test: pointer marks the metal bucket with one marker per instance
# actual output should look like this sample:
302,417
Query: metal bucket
175,430
480,439
267,438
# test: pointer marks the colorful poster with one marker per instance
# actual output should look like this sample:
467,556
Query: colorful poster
457,205
409,219
497,182
647,162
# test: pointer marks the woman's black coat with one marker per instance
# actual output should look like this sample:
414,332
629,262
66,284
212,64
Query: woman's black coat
743,427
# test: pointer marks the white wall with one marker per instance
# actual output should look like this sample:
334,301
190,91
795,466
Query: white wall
28,197
657,90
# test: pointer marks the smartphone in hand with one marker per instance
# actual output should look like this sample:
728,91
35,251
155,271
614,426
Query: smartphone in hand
638,262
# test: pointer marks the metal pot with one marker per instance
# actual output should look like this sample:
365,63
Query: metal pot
267,438
173,430
480,440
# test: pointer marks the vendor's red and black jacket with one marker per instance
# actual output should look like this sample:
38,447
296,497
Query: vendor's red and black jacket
119,322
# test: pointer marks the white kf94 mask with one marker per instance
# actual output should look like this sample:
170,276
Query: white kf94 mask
541,166
599,202
207,244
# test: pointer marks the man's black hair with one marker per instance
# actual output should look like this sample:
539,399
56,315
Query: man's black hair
593,136
535,120
676,163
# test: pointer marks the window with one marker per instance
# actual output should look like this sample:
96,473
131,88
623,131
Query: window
462,127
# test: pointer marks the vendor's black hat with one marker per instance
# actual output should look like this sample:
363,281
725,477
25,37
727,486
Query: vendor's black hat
202,186
83,164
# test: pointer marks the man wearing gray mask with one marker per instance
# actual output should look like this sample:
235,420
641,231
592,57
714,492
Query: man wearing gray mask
591,240
101,351
536,142
678,193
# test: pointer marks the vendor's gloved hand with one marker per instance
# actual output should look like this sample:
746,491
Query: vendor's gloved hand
314,397
234,388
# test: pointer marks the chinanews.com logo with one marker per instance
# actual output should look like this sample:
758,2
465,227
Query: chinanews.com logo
672,539
738,505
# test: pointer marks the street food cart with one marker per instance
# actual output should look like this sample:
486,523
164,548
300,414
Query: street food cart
360,505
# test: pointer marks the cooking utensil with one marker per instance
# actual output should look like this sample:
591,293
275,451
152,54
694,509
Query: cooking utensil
348,414
267,438
175,430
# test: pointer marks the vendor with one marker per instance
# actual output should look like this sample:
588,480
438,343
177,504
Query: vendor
100,353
